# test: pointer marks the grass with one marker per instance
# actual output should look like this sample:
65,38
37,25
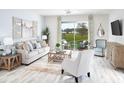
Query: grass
78,37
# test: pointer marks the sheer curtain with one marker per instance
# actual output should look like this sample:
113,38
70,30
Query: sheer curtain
59,34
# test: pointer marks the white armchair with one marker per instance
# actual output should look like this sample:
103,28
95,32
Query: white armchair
78,65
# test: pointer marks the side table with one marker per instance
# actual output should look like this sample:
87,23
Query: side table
11,61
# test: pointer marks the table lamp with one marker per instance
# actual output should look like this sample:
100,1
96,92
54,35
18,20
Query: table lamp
8,42
44,37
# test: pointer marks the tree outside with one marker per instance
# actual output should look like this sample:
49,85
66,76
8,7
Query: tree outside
80,34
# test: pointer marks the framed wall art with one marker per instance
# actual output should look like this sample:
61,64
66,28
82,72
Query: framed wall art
17,28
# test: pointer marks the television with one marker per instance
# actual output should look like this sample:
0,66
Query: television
116,28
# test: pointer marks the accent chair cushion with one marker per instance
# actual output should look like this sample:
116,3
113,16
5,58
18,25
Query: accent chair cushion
98,49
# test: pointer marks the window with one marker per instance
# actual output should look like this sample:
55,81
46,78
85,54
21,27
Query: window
73,34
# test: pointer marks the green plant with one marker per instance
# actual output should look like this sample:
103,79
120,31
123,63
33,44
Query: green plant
1,49
57,45
46,32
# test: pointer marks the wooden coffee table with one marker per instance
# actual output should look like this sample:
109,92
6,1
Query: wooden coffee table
11,61
58,56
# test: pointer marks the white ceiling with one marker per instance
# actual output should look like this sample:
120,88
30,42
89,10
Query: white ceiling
72,11
48,12
75,11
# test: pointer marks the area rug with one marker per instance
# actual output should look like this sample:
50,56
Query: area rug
46,68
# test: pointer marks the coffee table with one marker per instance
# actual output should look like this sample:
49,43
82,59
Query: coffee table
58,56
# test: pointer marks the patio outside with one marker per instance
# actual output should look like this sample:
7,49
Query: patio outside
74,34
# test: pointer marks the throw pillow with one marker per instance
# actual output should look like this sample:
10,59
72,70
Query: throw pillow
30,46
26,47
38,45
43,43
19,46
33,42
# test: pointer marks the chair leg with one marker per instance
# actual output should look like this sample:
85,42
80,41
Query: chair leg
88,74
62,71
76,79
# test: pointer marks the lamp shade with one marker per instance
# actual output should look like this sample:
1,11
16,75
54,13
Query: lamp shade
8,41
44,37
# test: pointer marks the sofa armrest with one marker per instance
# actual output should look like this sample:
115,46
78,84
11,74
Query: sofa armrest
23,52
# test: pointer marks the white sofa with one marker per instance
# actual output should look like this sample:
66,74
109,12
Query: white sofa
29,57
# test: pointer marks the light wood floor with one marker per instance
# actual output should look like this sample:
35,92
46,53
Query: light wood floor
101,72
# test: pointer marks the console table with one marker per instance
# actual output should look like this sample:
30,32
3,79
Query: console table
11,61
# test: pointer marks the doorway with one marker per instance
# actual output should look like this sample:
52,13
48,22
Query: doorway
74,34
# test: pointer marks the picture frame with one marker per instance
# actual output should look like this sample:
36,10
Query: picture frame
23,29
17,28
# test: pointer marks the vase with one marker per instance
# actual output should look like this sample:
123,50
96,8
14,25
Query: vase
57,49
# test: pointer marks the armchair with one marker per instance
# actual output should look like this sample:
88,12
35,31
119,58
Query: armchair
77,65
99,50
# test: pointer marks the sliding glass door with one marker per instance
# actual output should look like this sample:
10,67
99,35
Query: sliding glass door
74,34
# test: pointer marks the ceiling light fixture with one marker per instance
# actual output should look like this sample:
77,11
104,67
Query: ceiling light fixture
68,11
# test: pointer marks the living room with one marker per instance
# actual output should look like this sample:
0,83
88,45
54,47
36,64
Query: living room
61,46
40,33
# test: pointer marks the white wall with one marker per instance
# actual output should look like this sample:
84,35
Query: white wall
94,23
75,18
51,23
6,21
113,17
42,26
102,19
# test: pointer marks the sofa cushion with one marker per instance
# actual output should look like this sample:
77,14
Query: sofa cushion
26,47
30,46
46,48
31,54
38,46
40,50
33,42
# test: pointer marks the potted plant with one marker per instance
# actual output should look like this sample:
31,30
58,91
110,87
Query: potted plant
46,32
57,47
